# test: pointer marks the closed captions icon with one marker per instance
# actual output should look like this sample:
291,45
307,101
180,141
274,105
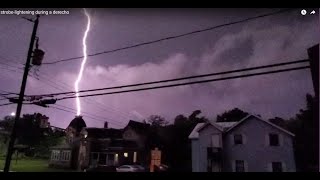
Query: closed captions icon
303,12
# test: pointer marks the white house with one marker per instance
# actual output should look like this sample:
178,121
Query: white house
249,145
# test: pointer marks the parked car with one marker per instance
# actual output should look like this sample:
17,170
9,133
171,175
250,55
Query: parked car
129,168
140,168
161,168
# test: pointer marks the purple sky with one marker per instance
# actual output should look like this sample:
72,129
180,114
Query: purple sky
279,38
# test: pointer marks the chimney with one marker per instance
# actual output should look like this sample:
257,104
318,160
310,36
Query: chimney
106,124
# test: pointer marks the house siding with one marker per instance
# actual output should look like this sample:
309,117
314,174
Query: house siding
204,141
256,151
195,155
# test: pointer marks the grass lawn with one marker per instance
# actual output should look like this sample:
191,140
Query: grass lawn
30,165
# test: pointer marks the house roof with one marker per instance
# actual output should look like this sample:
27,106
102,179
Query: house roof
229,126
78,123
221,126
195,134
259,118
225,125
212,124
139,127
104,133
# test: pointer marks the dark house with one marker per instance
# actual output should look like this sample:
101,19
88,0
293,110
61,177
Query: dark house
102,147
105,147
66,155
139,133
114,147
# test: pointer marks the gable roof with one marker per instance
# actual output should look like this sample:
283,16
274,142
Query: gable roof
141,128
212,124
77,123
225,125
259,118
200,126
229,126
195,134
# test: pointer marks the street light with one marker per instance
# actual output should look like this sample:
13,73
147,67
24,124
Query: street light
13,114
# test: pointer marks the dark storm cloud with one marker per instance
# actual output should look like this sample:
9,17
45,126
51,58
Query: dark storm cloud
265,41
240,53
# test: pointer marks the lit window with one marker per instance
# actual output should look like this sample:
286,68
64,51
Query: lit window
125,154
116,159
135,157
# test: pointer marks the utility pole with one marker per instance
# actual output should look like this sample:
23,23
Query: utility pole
313,53
21,97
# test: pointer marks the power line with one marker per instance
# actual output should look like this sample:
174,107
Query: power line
8,93
11,61
16,70
172,37
12,70
9,65
84,115
56,86
83,112
6,104
183,78
91,101
190,83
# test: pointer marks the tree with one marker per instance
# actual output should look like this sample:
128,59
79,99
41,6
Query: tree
7,123
194,117
156,120
31,135
177,148
279,122
180,119
233,115
306,143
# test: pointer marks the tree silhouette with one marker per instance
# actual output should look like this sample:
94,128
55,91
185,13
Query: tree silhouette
156,120
233,115
306,142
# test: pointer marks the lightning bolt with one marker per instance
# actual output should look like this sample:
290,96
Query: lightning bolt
84,60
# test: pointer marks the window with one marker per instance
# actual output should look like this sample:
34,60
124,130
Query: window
134,157
277,167
62,155
65,155
110,159
215,140
274,139
55,155
95,156
68,155
102,159
239,166
238,139
116,159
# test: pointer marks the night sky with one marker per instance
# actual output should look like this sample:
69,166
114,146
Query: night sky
274,39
